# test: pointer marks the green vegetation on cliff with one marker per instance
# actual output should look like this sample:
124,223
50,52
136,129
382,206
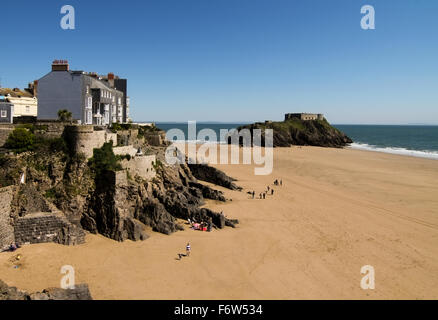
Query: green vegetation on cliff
302,132
104,159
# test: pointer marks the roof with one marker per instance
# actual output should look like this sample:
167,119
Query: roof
17,93
22,99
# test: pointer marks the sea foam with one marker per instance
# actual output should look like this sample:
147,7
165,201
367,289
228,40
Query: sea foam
394,150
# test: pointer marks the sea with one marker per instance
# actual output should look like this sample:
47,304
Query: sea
409,140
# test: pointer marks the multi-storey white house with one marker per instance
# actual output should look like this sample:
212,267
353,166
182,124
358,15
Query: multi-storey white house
92,99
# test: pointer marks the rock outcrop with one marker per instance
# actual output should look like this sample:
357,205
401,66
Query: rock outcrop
206,173
80,292
300,132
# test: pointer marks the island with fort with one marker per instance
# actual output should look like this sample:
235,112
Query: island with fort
302,129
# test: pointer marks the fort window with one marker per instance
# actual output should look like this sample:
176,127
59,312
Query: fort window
4,114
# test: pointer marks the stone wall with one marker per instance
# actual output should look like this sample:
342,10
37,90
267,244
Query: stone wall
54,129
121,151
47,227
6,229
155,139
127,137
141,166
83,138
303,116
5,130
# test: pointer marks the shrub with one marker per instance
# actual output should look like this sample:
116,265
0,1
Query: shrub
120,126
20,140
104,159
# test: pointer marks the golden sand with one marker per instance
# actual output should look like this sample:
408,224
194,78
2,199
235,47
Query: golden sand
338,210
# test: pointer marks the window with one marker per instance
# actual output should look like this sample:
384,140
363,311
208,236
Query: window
27,109
89,117
4,114
89,102
120,101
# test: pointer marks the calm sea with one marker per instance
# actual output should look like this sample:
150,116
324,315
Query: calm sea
418,141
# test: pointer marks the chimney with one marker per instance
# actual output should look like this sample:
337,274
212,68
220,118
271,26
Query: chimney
111,79
35,88
60,65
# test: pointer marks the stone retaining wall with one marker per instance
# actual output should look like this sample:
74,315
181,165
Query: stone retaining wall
141,166
47,227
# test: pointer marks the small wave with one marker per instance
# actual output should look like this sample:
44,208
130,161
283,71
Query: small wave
395,150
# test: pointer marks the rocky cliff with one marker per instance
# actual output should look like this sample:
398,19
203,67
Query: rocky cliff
301,132
109,202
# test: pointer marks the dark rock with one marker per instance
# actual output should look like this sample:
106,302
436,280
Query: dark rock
207,192
209,174
135,229
231,222
11,293
80,292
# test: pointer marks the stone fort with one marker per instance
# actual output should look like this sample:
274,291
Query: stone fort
304,116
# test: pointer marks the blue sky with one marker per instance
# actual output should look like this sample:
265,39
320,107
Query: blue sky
239,60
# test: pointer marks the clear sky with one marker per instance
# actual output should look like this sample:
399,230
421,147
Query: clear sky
239,60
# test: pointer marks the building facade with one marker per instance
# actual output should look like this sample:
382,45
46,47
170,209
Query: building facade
90,98
16,103
6,112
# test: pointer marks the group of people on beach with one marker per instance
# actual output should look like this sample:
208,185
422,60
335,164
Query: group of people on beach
268,191
201,226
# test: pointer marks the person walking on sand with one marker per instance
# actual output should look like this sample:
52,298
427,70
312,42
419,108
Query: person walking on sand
188,249
272,192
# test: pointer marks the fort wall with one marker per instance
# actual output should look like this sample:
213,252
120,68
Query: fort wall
141,166
83,138
304,116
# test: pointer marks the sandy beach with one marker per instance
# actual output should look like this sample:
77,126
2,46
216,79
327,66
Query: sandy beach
338,210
